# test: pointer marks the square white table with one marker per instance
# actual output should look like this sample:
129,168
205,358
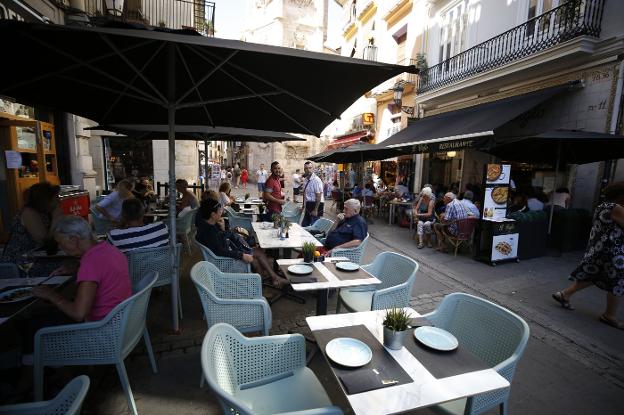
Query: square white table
268,239
332,281
425,390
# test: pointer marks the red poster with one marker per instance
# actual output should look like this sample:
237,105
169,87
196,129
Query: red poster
78,205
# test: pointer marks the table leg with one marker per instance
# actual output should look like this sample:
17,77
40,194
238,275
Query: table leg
321,302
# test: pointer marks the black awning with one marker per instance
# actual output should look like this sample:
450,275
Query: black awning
471,127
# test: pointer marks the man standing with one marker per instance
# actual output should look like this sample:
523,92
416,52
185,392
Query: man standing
272,194
261,178
296,178
313,200
352,180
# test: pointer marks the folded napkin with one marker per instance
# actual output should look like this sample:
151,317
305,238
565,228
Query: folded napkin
366,379
298,280
419,322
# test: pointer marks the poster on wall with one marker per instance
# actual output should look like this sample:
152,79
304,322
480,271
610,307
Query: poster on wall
498,174
496,195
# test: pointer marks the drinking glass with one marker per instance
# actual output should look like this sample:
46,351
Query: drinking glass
25,263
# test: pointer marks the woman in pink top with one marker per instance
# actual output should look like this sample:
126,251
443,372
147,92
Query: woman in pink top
103,276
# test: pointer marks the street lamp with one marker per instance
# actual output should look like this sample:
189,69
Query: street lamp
398,89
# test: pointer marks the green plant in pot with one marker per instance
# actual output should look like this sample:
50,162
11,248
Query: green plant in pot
308,249
247,196
276,218
395,326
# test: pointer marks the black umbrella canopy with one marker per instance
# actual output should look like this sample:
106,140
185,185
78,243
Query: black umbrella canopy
357,153
197,133
569,146
133,76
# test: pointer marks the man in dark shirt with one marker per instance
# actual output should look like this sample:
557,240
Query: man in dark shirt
351,231
212,234
273,190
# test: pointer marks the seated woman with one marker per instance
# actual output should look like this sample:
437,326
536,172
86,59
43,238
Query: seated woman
213,235
31,227
224,194
424,213
103,279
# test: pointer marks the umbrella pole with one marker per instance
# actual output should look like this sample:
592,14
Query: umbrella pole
175,283
206,183
552,205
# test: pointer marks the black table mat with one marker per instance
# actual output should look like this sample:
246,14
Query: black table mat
316,274
382,361
360,274
444,364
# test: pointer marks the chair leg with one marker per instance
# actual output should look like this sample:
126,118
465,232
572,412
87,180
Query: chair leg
125,385
456,247
502,408
188,244
202,380
180,304
38,381
338,303
150,351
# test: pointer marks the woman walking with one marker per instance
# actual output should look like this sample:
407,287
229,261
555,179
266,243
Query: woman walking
244,177
603,263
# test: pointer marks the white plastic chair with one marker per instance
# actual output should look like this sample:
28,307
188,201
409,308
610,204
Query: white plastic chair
239,220
354,254
105,342
101,225
142,261
262,375
184,227
67,402
492,333
230,298
397,274
224,264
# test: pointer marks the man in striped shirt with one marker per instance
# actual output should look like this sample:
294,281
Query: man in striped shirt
133,233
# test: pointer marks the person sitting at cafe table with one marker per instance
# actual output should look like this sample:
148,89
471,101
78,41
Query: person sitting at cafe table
133,233
225,197
466,200
31,226
402,190
454,210
110,206
350,231
213,235
424,215
103,280
188,198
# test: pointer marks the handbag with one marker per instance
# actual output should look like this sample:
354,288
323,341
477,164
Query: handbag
235,242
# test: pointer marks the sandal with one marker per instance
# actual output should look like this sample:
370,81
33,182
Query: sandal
558,297
612,323
420,246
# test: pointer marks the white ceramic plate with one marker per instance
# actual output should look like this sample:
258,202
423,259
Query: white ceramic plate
436,338
15,295
300,269
348,352
347,266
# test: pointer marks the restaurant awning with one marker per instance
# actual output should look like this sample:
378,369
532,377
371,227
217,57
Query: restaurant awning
347,140
471,127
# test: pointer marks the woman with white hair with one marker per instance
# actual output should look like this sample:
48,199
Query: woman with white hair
423,212
103,277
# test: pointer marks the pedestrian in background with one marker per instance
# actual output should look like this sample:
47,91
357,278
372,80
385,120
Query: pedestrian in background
244,177
261,177
237,173
296,178
603,263
313,199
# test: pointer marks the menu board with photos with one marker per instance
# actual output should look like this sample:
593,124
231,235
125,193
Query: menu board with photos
497,177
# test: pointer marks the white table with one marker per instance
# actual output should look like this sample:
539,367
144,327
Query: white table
425,390
249,202
268,239
323,286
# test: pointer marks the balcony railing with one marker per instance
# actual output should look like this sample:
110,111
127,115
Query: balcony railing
570,20
369,53
172,14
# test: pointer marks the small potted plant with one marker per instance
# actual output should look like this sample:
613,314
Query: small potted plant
276,218
308,250
284,225
395,326
247,205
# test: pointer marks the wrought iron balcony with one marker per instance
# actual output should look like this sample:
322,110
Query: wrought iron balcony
171,14
570,20
369,53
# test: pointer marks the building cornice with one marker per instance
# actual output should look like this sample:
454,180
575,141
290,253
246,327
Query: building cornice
369,11
400,10
349,31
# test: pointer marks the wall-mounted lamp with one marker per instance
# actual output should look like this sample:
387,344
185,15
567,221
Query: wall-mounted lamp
451,154
398,89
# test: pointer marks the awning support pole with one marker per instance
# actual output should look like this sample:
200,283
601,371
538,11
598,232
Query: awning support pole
552,205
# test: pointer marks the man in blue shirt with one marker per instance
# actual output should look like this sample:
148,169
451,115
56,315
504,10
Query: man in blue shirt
350,231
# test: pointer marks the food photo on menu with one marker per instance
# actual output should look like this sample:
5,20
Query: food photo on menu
495,203
498,174
504,247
